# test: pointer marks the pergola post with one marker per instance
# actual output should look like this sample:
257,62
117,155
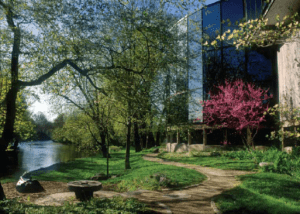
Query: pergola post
171,137
189,137
204,137
178,137
225,134
282,142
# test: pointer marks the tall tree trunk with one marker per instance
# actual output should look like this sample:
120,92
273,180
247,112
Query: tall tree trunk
151,140
144,140
137,140
11,97
143,135
249,138
158,134
108,156
2,195
127,163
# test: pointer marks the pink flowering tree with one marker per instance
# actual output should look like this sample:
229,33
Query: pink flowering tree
237,106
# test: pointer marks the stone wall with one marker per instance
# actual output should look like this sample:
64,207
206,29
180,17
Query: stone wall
288,74
182,147
175,147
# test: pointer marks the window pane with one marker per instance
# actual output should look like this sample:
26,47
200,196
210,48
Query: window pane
227,14
195,64
211,22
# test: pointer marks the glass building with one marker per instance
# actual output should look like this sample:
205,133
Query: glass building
205,67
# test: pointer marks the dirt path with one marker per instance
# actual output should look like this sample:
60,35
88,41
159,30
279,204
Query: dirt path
194,199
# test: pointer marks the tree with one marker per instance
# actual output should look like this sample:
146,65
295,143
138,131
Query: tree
237,105
144,40
68,34
43,127
258,33
26,55
23,127
87,100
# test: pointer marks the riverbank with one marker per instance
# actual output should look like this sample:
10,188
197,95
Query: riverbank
142,175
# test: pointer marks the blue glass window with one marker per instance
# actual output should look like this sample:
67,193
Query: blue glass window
227,14
211,21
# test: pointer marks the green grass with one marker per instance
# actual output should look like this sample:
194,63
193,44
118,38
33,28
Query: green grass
138,177
114,205
203,159
262,193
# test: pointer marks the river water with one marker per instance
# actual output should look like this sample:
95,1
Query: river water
41,154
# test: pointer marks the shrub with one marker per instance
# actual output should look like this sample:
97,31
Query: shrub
240,155
296,152
115,148
283,162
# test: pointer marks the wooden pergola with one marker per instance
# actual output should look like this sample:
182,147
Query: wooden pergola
188,128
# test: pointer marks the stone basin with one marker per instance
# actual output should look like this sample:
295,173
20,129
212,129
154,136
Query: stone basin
84,189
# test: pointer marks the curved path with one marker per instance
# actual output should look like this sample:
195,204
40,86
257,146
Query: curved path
193,199
196,199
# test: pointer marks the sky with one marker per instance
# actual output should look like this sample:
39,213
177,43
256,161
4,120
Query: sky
44,107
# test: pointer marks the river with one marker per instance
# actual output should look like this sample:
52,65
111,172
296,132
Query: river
40,154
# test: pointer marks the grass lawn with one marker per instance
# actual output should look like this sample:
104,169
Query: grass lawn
113,205
204,159
265,193
138,177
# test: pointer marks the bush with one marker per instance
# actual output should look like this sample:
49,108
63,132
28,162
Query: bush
296,152
115,148
283,162
240,155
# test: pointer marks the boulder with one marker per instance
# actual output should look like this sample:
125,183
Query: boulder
99,176
2,195
214,154
156,150
288,149
162,179
26,185
262,164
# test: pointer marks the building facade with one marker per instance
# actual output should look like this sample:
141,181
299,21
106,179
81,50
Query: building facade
273,68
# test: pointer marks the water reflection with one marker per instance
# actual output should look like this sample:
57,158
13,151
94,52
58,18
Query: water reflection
40,154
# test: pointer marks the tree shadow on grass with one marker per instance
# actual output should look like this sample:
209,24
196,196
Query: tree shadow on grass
262,193
279,186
